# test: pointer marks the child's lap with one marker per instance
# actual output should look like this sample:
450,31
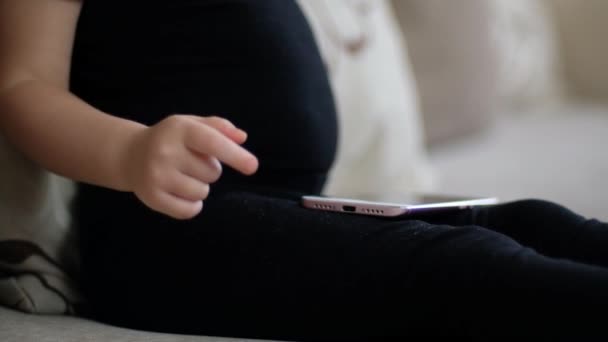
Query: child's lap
258,255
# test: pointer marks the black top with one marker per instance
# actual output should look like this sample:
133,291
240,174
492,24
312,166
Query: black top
254,62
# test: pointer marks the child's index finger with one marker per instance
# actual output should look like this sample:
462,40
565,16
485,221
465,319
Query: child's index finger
225,127
207,140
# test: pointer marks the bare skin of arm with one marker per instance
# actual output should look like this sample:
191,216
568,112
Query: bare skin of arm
169,166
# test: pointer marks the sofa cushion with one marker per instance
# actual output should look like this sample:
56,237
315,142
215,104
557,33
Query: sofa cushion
471,58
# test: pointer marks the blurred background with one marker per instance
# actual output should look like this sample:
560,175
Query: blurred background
472,97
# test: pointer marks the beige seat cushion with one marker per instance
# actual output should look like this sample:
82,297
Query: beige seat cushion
16,326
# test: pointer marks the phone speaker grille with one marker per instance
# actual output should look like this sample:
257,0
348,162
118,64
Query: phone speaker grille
373,211
325,206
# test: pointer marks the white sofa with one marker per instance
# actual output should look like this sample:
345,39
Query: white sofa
554,152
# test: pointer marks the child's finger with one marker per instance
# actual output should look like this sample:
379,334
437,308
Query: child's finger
208,140
225,127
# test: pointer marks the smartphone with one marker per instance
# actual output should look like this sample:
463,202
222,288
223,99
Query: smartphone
396,205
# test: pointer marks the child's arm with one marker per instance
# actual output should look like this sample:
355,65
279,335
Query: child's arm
168,166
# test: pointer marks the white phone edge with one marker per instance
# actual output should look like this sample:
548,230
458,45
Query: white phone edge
355,206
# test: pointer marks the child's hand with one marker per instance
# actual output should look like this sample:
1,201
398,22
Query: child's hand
172,163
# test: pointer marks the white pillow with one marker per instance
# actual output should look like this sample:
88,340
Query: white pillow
381,148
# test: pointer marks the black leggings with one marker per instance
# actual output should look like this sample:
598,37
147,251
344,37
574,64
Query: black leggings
261,266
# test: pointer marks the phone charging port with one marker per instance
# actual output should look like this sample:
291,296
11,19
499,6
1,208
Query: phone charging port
349,208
